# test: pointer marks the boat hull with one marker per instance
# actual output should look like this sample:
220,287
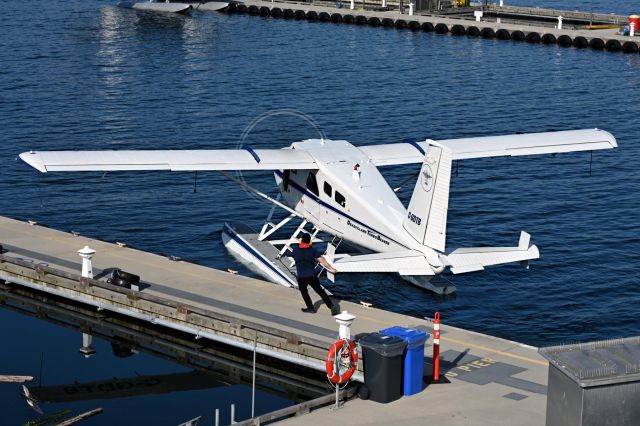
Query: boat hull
157,7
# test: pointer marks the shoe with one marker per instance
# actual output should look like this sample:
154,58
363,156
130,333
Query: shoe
335,310
310,310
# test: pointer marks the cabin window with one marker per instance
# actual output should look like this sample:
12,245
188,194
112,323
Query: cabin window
327,189
340,199
312,184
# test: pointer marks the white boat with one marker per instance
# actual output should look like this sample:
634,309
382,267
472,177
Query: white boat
151,6
212,5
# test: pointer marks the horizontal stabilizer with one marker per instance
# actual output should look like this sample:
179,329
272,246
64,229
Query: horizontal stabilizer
408,262
465,260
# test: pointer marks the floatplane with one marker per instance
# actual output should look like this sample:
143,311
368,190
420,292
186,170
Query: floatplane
336,188
167,6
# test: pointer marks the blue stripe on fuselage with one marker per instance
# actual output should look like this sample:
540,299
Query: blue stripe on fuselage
330,207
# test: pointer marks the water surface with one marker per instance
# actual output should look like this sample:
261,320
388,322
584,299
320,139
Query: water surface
87,75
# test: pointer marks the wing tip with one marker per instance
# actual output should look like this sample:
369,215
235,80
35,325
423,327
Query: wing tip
33,159
610,138
534,252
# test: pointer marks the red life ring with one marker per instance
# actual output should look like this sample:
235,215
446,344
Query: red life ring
348,355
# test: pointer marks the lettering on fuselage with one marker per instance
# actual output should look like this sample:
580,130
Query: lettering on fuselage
414,218
373,235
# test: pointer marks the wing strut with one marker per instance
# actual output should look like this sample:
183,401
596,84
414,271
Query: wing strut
260,194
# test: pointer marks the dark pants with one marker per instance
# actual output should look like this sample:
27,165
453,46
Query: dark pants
314,282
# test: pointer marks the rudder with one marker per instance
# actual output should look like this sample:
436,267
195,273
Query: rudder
426,218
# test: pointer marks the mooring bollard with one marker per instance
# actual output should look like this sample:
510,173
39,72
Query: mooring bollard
87,253
87,272
478,15
352,5
411,6
436,347
632,29
384,3
560,22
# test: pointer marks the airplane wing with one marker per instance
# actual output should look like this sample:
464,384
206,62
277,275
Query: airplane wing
176,160
465,260
495,146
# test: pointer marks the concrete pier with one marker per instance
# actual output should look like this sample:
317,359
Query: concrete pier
486,380
501,22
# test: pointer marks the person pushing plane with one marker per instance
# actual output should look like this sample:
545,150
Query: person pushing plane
305,257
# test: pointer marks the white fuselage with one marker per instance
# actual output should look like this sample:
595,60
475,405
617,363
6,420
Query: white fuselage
356,205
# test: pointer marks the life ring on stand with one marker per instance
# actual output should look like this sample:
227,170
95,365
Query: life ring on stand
342,356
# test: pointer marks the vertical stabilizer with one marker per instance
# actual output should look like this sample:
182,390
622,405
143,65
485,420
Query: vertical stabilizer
426,219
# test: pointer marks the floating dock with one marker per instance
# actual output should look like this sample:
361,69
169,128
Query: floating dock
532,25
486,380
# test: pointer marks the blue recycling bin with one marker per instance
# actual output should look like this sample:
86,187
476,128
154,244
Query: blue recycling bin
413,366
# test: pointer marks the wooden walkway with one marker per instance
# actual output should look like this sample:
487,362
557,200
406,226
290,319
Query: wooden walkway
531,31
499,379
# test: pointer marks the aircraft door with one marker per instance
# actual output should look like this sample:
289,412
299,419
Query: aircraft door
310,201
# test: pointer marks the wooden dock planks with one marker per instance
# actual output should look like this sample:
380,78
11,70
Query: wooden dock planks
488,370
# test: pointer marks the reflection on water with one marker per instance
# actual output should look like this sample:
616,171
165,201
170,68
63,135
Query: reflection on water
129,363
110,55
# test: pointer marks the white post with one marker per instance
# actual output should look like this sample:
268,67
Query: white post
233,413
501,3
478,15
87,253
632,29
411,5
498,20
217,417
253,377
384,3
559,22
352,5
345,319
87,271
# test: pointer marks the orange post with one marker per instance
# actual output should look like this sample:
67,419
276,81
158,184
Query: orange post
436,347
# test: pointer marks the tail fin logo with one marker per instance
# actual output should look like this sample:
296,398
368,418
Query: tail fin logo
427,178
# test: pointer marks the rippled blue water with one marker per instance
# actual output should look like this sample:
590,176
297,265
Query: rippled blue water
86,75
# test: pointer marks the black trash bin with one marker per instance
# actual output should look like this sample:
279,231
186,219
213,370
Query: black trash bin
382,363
